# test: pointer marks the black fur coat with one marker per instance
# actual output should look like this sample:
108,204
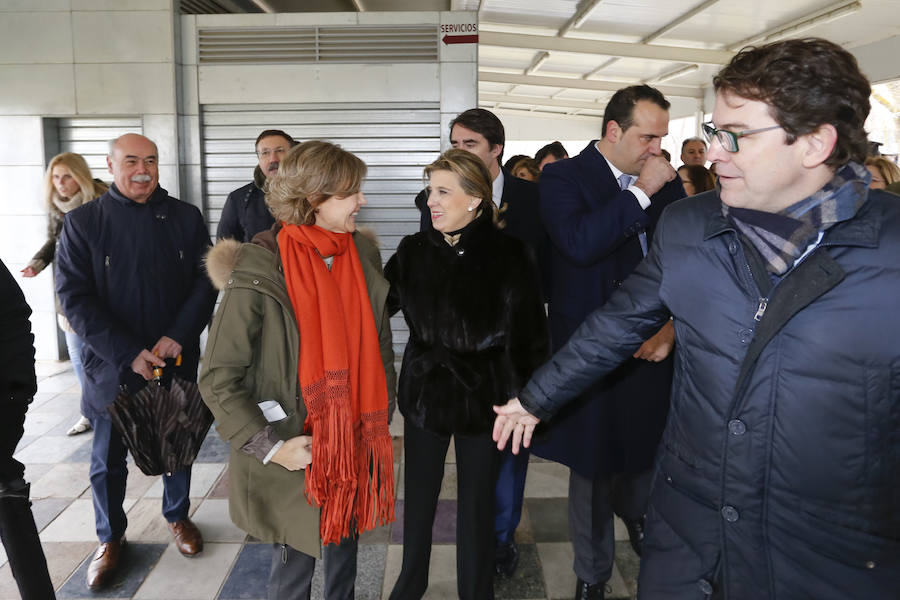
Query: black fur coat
477,327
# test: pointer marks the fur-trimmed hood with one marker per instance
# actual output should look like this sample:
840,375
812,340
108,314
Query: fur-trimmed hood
222,258
220,261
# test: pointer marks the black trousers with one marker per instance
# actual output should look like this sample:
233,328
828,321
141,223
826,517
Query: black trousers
591,527
477,464
20,538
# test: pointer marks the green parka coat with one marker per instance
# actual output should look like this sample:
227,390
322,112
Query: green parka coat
251,356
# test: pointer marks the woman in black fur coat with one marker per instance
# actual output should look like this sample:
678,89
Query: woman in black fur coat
477,330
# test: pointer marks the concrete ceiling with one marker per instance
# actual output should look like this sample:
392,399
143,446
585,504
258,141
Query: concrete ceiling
566,57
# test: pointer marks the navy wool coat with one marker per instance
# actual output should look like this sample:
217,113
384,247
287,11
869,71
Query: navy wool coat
777,475
593,227
128,274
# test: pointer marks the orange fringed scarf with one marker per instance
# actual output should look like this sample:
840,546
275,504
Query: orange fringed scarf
342,380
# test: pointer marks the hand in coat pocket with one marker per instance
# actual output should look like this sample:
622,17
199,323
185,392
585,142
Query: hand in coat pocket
295,453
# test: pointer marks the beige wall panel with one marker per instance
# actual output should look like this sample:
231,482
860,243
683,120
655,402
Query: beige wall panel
459,91
127,89
399,18
308,19
255,20
28,149
163,130
168,179
36,37
20,237
231,84
33,6
22,191
122,5
37,89
139,37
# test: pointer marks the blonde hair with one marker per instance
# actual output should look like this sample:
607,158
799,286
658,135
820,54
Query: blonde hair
81,173
473,175
308,175
889,171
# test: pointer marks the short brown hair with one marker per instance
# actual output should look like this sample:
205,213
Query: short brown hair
310,174
620,107
807,83
473,174
486,123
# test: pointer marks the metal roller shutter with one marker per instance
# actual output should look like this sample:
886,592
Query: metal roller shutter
396,140
89,137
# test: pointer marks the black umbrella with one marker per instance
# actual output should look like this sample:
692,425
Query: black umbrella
163,427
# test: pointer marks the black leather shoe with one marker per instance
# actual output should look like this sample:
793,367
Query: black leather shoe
506,559
587,591
635,534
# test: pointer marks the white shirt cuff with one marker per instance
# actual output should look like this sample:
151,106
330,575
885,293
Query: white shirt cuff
272,452
641,196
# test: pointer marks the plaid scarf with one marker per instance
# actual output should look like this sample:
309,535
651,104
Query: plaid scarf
783,237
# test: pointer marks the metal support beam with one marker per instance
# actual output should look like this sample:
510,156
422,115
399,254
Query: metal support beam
540,101
673,74
579,17
675,23
581,84
538,61
792,28
660,32
620,49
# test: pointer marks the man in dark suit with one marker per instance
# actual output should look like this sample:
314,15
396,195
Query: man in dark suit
599,209
480,132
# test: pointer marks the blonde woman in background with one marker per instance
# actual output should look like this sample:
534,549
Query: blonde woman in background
68,184
883,171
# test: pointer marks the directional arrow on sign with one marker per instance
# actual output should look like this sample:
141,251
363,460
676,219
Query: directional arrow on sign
460,39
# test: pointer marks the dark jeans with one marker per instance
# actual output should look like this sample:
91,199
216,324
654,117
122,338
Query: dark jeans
108,476
509,494
290,577
477,462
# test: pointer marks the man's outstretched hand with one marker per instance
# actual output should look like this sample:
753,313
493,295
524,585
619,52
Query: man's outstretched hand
513,420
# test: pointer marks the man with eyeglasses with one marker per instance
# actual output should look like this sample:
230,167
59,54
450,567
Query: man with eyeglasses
778,475
245,213
600,208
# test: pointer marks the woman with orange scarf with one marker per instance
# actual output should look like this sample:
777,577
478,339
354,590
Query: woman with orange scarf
299,374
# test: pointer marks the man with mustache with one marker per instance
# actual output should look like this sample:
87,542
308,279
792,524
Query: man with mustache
245,213
130,277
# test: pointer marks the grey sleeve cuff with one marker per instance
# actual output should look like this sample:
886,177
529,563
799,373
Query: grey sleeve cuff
263,445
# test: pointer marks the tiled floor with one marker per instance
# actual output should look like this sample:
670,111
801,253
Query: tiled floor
233,566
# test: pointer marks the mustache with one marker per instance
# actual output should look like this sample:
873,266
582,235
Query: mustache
273,166
141,178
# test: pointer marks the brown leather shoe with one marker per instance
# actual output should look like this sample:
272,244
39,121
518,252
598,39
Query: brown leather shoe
104,564
187,537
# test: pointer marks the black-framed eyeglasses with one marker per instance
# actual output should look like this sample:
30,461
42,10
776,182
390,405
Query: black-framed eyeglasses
729,139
